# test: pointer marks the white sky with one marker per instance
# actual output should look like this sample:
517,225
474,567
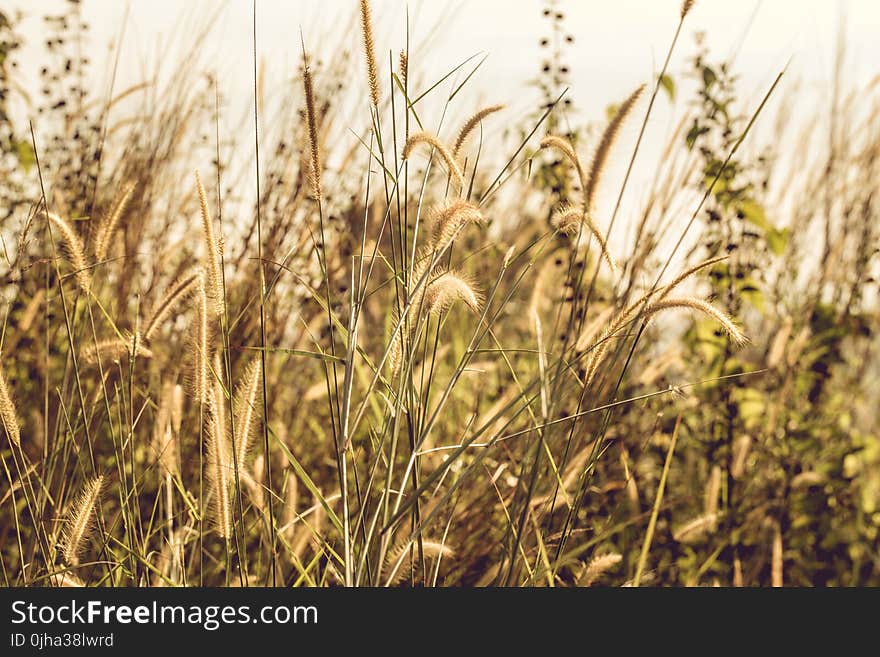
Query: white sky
618,43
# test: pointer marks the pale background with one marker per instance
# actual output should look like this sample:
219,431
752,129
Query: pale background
618,45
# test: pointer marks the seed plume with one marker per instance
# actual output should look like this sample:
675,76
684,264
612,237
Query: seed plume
218,477
244,404
568,220
598,566
115,349
448,288
427,138
111,221
564,146
199,345
370,51
177,293
704,307
450,218
686,7
7,411
695,529
212,249
471,124
404,66
600,158
75,252
80,521
312,121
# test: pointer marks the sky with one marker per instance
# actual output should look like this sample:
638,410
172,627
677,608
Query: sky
618,44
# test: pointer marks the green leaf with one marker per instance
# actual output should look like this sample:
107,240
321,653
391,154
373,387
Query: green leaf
754,213
752,406
753,296
668,85
709,76
777,239
695,133
25,154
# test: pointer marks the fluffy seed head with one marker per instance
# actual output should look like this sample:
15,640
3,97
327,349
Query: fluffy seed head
218,477
7,411
427,138
470,125
370,51
111,221
244,405
448,288
600,157
704,307
694,530
564,146
80,521
312,121
398,560
212,253
200,345
686,7
404,65
75,252
570,220
115,350
598,566
450,218
177,293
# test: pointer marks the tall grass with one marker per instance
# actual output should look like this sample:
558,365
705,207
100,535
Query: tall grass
427,355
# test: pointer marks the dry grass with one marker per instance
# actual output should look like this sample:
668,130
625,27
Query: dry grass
434,380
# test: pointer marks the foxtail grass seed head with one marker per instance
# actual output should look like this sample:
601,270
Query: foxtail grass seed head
776,352
218,392
75,252
218,472
403,66
115,350
693,303
508,257
398,560
598,566
432,141
245,401
199,346
450,218
176,294
713,490
569,220
111,221
694,530
164,435
448,288
80,521
7,411
600,157
686,7
212,250
65,580
176,408
564,146
370,51
470,125
312,121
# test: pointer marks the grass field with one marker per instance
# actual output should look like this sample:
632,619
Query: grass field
421,356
